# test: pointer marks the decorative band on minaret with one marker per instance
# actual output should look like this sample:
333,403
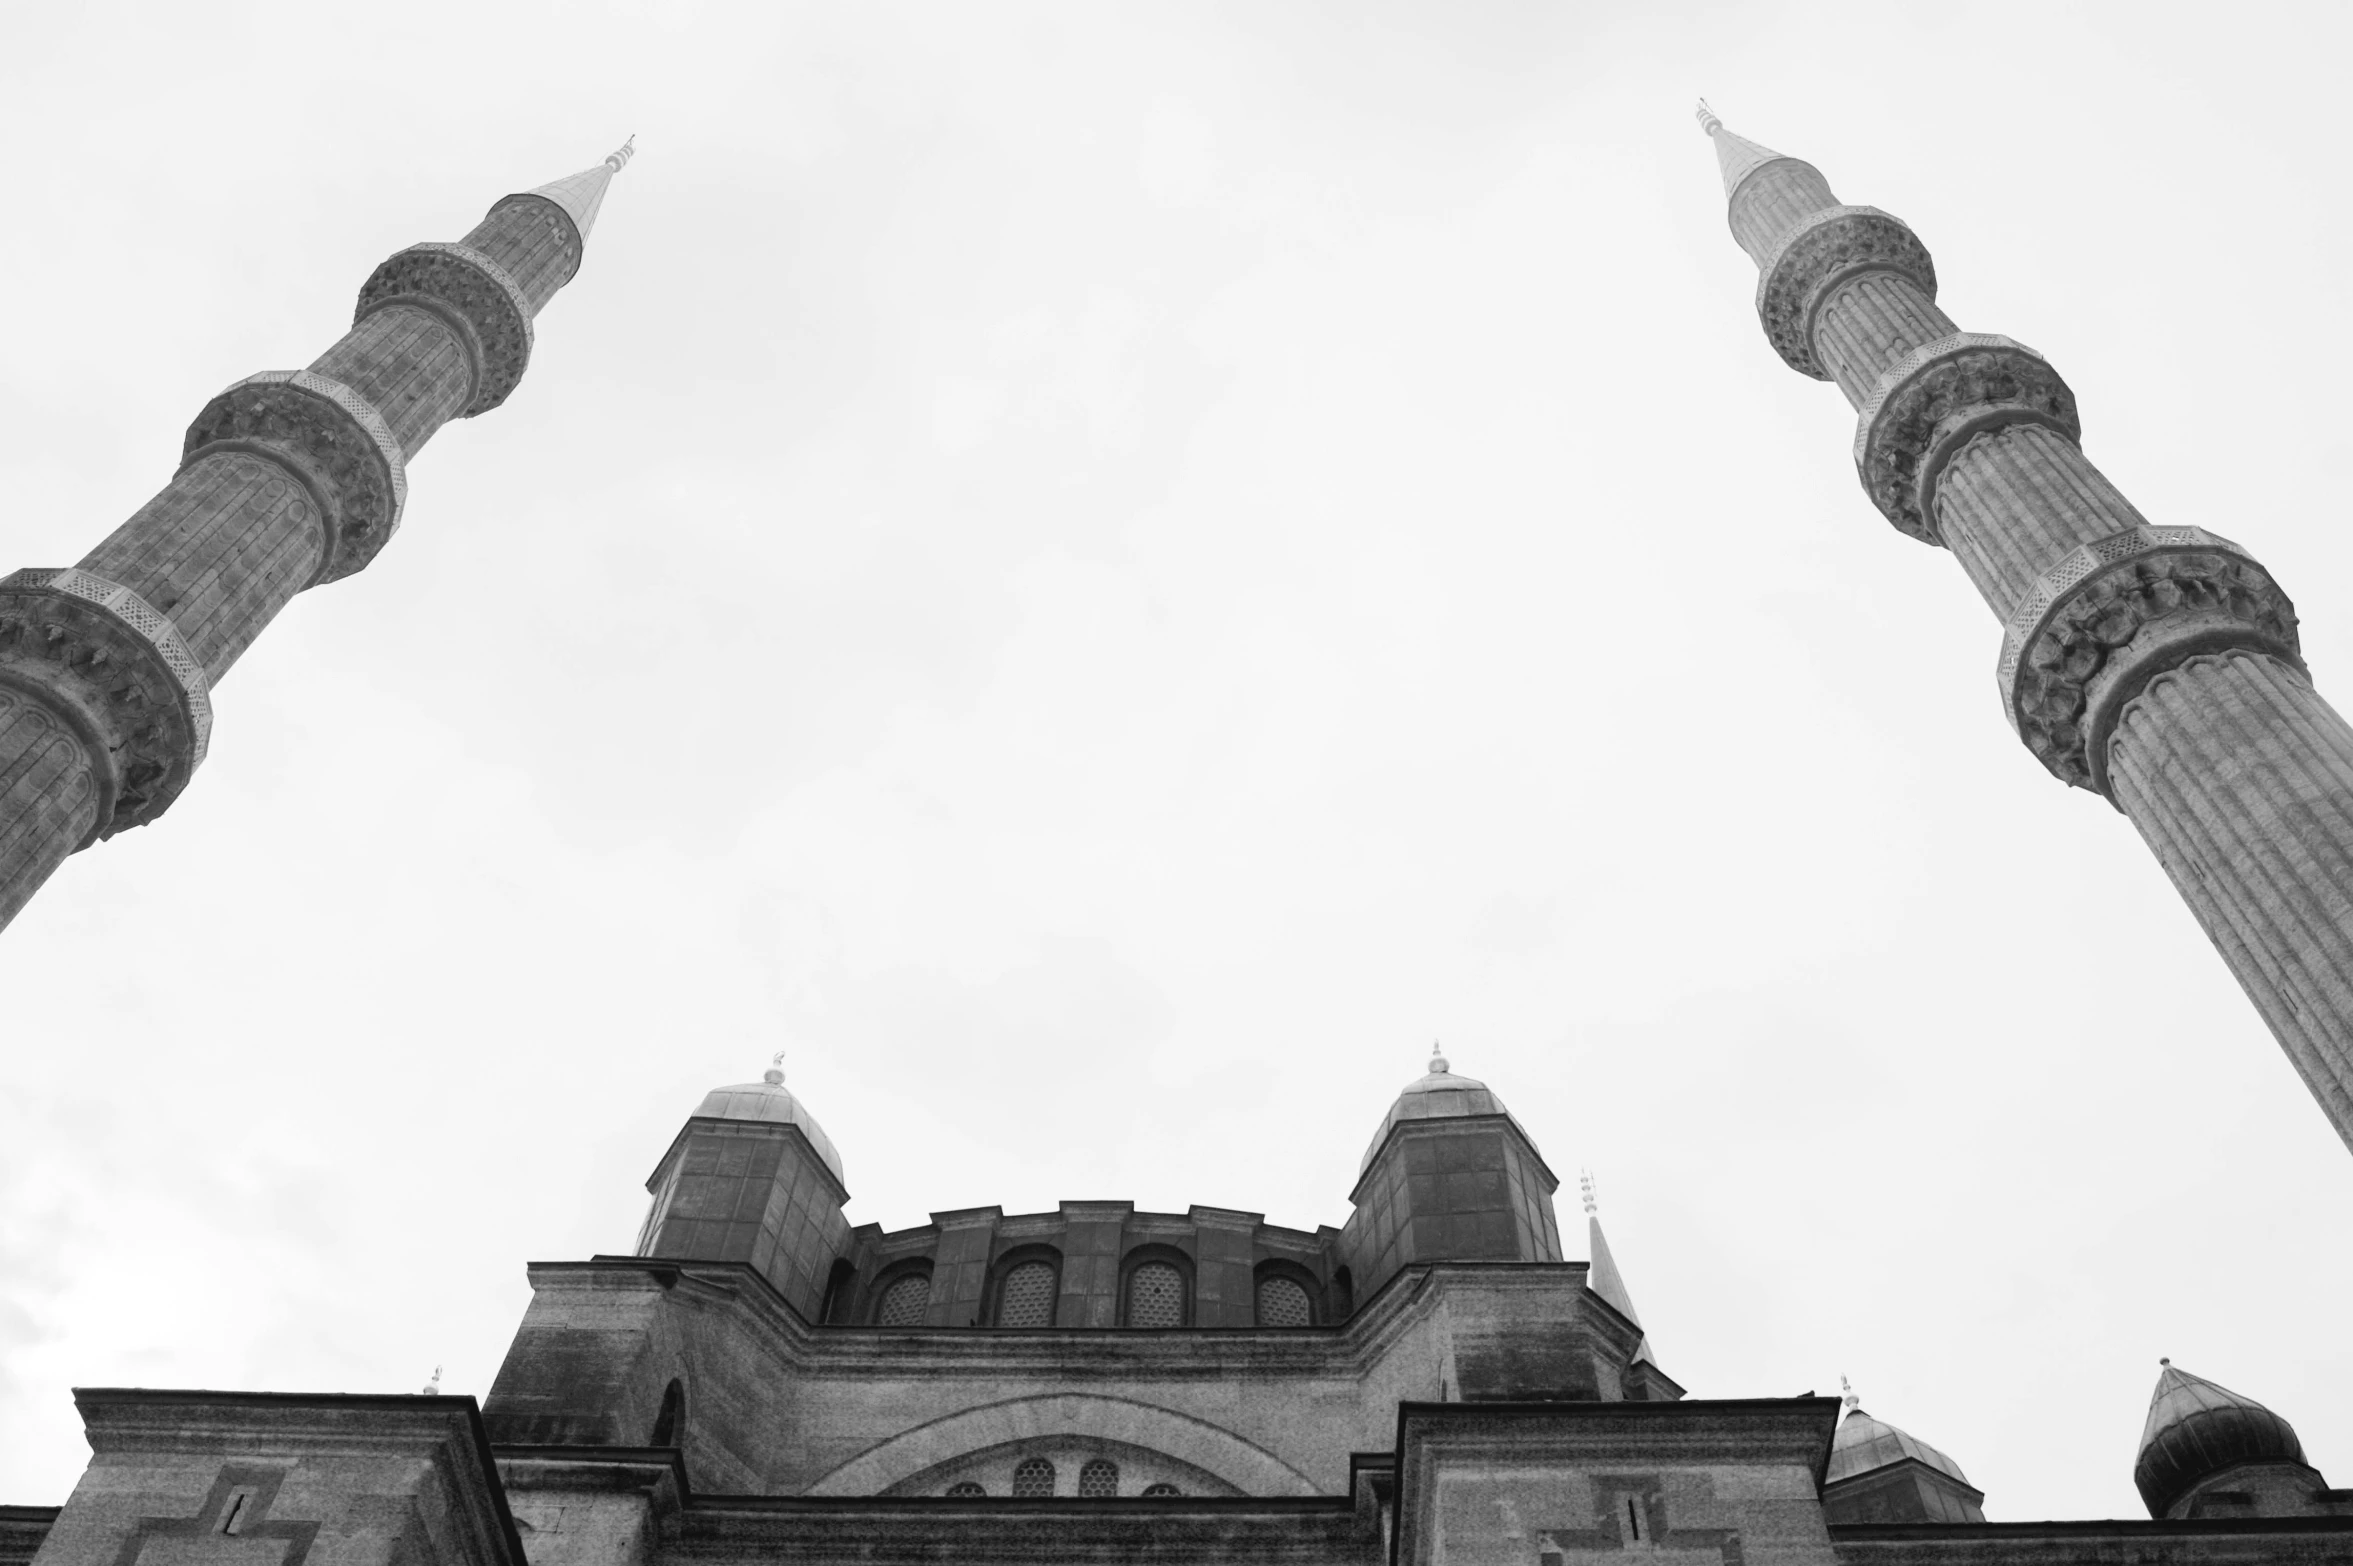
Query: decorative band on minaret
2156,666
287,479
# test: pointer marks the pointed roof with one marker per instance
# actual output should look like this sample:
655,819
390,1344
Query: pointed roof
1603,1277
581,194
1736,156
2197,1428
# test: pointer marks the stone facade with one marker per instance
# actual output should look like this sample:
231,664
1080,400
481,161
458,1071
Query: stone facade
763,1383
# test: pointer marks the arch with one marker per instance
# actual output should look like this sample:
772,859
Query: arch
1098,1479
964,1490
1285,1294
1161,1491
839,1289
901,1296
1156,1287
1025,1287
1033,1477
1247,1466
670,1422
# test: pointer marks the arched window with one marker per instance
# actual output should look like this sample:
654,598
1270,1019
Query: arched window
904,1298
1156,1293
1283,1300
1034,1477
1099,1479
836,1308
1026,1289
670,1423
1160,1491
964,1489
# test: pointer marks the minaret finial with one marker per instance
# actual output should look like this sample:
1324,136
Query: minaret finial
1849,1399
1585,1184
1707,119
433,1387
774,1075
618,159
1438,1063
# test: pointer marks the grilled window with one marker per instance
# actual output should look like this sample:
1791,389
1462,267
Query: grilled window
1026,1297
1160,1491
964,1488
1034,1477
1282,1302
1156,1295
1099,1478
904,1301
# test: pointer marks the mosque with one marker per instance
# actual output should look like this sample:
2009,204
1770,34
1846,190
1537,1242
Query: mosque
1435,1382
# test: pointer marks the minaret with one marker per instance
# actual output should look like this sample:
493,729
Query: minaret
287,480
2155,666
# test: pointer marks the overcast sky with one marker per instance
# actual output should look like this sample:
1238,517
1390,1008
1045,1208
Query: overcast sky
1101,576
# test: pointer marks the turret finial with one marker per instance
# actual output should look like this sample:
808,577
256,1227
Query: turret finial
1585,1184
1707,119
774,1075
1438,1063
433,1387
1849,1399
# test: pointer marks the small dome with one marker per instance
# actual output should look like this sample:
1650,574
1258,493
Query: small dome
768,1100
2195,1429
1864,1445
1439,1096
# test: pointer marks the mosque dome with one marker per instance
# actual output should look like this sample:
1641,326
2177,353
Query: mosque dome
1865,1445
769,1100
2197,1429
1440,1095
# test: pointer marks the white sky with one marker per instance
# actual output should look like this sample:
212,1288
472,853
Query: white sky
1103,575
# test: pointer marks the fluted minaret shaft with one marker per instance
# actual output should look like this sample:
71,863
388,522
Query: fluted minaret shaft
2158,666
287,479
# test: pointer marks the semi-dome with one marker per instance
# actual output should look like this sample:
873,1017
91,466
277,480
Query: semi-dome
1865,1445
1440,1095
768,1099
2197,1429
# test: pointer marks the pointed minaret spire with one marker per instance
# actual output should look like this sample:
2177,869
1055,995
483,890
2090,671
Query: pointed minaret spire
581,194
2156,666
1736,156
1604,1278
287,480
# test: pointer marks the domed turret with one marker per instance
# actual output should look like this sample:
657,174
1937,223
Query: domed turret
1440,1094
753,1178
1880,1474
768,1099
1451,1176
2198,1430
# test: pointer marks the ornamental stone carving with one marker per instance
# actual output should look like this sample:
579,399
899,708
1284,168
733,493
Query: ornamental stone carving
101,658
1929,404
475,296
2115,614
567,231
1821,252
334,443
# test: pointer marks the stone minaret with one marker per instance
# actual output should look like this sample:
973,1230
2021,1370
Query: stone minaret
288,479
2155,666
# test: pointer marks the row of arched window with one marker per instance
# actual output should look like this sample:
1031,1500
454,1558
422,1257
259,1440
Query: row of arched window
1035,1478
1025,1290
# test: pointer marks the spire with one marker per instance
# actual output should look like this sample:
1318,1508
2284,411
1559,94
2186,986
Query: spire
1604,1278
1737,156
581,194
